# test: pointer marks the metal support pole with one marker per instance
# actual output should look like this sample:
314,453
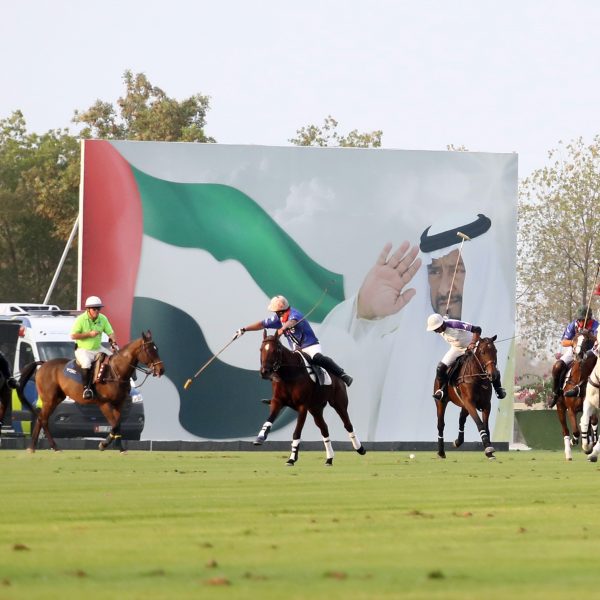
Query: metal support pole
62,261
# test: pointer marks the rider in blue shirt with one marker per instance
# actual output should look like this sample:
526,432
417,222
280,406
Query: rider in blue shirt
300,336
584,319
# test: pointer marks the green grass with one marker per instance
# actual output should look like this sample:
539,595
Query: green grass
242,525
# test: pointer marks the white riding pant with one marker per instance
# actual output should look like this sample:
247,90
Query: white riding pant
85,358
568,357
312,350
452,354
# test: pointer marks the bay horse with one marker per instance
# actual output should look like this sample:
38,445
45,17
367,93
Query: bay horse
470,388
293,387
570,401
54,386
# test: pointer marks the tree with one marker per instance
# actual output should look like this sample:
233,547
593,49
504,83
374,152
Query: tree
328,135
39,182
558,247
146,113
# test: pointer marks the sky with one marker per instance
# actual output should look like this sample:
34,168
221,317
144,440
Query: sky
510,76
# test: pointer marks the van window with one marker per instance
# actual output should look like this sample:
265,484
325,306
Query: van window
50,350
25,355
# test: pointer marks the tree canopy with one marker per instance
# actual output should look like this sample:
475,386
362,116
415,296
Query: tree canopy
558,246
328,135
146,113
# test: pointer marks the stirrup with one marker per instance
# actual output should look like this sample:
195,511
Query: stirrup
500,393
12,384
439,394
88,394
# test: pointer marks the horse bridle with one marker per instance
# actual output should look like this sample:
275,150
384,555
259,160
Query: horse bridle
484,366
277,363
148,370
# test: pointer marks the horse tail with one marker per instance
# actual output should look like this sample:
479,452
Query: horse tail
26,372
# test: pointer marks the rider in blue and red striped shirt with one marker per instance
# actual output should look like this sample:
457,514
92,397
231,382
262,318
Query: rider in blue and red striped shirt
291,323
584,320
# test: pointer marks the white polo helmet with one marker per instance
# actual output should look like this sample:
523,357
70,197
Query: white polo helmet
93,302
278,303
434,321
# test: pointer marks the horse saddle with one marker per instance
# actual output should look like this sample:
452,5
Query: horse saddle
99,367
316,373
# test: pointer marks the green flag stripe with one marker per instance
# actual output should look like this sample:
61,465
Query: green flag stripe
230,225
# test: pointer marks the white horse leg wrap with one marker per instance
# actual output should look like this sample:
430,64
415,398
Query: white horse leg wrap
328,447
294,452
267,425
355,441
568,454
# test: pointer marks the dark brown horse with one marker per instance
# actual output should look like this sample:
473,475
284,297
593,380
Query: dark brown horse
570,402
293,387
53,386
470,388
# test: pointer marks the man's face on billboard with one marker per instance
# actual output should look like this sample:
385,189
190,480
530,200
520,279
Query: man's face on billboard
439,274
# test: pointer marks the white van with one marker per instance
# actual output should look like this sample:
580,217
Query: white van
37,332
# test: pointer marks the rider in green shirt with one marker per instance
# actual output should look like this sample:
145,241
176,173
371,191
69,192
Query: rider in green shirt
87,332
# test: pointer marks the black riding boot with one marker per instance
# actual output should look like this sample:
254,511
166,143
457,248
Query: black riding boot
559,371
500,391
329,365
441,381
86,376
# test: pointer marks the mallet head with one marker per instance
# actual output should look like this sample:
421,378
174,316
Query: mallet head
462,235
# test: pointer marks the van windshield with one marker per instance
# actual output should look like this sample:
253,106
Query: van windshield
50,350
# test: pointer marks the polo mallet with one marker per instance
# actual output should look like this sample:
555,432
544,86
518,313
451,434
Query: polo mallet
187,384
463,237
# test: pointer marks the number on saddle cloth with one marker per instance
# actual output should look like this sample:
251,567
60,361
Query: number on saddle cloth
315,372
99,367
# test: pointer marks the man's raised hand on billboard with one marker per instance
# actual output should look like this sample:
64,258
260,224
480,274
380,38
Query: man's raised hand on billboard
382,292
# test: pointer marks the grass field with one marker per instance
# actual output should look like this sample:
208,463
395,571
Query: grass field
242,525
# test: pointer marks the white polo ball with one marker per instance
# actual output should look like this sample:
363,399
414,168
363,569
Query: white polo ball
411,456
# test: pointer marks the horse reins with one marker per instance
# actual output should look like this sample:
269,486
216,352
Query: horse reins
148,370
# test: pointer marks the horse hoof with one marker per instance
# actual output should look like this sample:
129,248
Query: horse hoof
30,450
362,451
457,443
125,451
259,441
102,446
329,462
290,463
592,458
441,454
491,457
489,450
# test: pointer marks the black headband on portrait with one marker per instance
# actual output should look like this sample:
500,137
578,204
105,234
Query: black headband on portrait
429,243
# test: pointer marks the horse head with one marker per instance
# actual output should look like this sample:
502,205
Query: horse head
148,354
271,352
582,342
487,355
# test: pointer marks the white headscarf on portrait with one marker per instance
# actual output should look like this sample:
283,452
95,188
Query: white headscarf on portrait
407,410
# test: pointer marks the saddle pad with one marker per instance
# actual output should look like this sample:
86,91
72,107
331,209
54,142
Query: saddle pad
72,372
316,373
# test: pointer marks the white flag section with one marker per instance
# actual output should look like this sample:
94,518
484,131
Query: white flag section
339,207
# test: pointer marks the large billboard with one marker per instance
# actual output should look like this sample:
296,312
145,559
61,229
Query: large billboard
192,240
